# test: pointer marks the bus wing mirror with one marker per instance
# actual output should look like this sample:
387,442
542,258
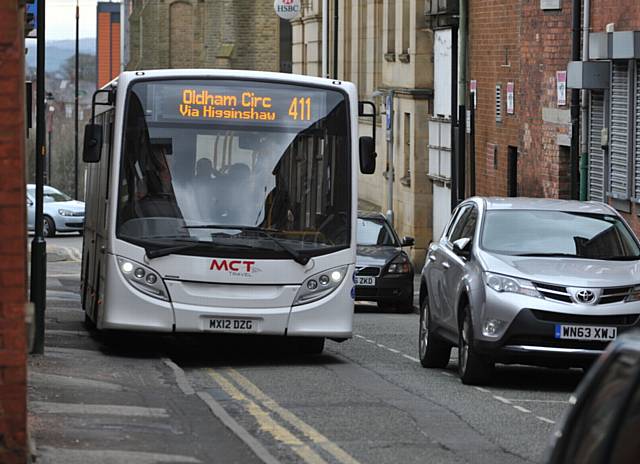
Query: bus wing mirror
92,143
367,155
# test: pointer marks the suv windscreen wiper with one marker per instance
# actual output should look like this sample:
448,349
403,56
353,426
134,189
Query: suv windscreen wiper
297,257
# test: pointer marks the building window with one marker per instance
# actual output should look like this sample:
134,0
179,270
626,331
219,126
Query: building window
348,39
498,103
406,152
181,35
363,59
406,29
391,31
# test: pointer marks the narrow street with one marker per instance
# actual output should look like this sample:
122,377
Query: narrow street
365,400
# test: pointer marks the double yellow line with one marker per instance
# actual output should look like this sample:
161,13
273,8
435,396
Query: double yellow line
274,419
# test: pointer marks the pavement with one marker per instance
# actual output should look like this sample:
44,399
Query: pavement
108,400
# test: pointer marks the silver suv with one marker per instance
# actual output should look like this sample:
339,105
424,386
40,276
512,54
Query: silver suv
531,281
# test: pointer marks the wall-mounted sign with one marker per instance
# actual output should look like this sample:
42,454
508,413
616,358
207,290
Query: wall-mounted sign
561,86
287,9
473,88
510,98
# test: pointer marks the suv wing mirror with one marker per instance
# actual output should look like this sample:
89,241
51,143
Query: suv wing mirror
462,247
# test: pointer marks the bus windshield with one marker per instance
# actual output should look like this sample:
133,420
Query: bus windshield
271,158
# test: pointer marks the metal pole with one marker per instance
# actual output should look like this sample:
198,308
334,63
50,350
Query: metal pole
472,146
75,110
454,117
49,149
584,107
335,39
325,38
390,169
38,245
574,172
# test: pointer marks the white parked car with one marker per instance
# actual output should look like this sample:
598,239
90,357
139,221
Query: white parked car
61,212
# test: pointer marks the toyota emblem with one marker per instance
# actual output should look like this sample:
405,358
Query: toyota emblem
585,296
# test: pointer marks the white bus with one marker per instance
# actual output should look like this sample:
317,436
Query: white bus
225,202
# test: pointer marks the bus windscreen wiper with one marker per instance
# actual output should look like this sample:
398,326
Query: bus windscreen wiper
297,257
169,250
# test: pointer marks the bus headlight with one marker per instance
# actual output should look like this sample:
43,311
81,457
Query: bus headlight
320,285
143,278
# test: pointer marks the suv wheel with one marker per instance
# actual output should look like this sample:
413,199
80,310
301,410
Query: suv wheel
473,368
433,351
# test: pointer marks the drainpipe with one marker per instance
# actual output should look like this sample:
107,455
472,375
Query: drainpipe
574,172
325,38
584,107
390,170
462,88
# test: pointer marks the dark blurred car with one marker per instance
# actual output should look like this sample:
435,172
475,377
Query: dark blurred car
384,272
603,425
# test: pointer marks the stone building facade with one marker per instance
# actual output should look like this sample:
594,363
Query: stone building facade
234,34
384,48
13,269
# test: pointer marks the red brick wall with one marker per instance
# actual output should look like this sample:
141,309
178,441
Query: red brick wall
625,14
13,348
492,29
515,41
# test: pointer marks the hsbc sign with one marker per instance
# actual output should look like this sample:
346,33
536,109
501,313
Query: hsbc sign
287,9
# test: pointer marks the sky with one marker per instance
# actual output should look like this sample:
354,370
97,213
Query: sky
61,19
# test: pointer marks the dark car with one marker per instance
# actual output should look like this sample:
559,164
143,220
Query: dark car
384,272
603,425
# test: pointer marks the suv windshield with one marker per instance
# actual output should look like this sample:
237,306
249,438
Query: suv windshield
375,232
558,233
250,154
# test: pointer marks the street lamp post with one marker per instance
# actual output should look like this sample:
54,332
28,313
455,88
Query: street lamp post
39,245
52,110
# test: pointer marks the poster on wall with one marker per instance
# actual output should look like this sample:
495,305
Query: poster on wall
561,85
510,98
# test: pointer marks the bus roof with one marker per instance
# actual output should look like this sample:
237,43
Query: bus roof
128,76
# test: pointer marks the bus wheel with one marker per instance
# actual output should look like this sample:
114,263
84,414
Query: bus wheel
311,345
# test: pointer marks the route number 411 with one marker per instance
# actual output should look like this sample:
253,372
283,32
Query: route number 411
300,109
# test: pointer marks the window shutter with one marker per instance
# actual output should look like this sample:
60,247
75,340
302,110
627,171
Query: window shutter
619,131
596,153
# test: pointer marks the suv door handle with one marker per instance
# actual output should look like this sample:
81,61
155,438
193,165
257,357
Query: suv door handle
446,265
432,258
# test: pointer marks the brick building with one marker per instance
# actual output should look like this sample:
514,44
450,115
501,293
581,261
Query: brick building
528,44
515,51
108,42
236,34
13,345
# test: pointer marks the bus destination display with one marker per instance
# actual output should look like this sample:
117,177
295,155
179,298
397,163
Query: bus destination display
278,104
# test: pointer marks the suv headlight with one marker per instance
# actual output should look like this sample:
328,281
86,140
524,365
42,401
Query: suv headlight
501,283
320,285
143,278
65,212
400,265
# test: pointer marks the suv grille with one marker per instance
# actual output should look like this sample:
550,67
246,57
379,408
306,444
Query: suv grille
369,271
559,293
553,292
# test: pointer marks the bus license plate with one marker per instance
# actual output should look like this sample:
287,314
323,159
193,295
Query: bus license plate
221,324
584,332
366,281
